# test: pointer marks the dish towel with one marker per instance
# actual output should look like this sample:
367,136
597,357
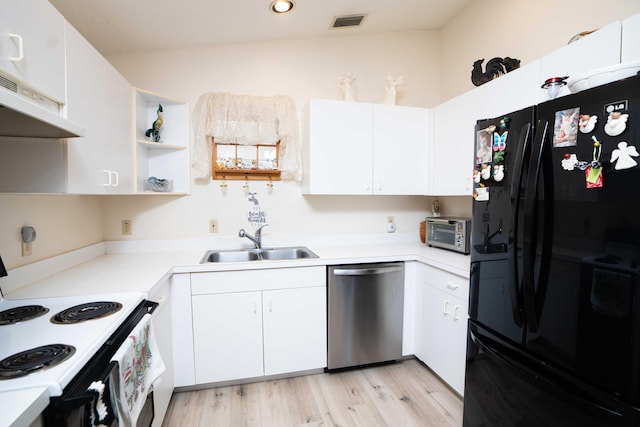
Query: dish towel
139,366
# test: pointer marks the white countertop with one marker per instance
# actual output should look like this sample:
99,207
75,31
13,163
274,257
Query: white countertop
94,270
22,407
140,272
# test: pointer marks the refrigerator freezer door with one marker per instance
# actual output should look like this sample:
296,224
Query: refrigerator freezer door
505,387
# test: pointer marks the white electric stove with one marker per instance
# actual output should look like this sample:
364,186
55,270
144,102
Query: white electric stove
73,343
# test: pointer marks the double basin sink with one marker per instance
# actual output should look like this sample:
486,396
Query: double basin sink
242,255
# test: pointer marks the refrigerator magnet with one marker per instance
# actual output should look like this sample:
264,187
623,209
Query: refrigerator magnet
476,176
481,194
587,122
616,123
569,161
565,129
500,141
623,156
594,177
498,173
485,173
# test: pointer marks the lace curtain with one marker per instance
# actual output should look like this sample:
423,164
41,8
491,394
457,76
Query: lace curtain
246,120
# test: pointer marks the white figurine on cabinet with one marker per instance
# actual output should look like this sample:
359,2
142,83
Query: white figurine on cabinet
391,90
347,84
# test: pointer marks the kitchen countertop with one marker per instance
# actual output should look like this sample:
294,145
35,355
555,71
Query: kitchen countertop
141,271
22,407
118,268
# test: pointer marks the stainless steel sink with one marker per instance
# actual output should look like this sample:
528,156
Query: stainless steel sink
288,253
243,255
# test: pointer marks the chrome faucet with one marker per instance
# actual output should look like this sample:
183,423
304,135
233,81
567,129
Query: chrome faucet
257,239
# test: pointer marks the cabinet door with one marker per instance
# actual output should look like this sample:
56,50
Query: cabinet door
451,156
102,100
442,344
32,45
400,145
295,330
338,154
227,336
163,390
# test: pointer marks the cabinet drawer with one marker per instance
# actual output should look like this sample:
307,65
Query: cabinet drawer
254,280
453,284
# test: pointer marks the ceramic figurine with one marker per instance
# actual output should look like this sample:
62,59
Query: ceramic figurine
498,173
391,90
154,131
347,84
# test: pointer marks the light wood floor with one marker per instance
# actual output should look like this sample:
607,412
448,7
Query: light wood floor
401,394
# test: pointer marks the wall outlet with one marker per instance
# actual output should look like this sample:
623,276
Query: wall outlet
391,225
213,226
26,248
127,228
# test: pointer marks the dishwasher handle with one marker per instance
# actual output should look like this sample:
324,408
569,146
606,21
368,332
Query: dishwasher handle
366,271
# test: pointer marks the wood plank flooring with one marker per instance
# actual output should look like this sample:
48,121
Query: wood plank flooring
401,394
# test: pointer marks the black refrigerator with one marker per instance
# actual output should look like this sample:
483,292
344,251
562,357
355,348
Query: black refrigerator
554,304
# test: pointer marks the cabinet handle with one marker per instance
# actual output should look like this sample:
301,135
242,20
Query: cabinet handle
379,185
455,312
270,305
468,184
108,178
255,306
20,56
445,307
117,180
451,285
367,185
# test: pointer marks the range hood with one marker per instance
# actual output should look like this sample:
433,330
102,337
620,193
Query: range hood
21,118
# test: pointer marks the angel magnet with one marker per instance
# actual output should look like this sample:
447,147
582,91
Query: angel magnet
616,123
622,156
587,123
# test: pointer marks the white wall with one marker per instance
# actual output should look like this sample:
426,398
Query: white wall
521,29
298,68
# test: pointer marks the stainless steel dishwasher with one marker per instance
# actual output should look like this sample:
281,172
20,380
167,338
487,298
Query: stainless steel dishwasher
365,311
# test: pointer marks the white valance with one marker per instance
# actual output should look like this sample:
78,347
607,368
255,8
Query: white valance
246,120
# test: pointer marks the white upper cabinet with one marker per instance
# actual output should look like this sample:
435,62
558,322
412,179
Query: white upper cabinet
631,39
598,49
32,46
101,162
361,148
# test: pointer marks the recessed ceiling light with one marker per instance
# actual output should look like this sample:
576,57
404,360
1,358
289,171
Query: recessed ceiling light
282,6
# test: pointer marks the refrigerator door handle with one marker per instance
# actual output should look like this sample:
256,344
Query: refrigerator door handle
514,197
540,161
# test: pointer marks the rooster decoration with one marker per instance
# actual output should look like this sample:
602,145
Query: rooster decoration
154,131
495,68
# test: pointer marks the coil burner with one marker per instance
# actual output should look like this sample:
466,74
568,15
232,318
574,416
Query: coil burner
21,313
34,359
88,311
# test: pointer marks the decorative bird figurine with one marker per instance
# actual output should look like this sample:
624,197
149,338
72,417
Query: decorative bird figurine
495,68
154,131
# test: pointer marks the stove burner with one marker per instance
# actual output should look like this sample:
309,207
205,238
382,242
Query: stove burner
24,312
35,359
88,311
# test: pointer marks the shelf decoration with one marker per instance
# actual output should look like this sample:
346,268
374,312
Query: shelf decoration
253,127
495,68
154,131
391,89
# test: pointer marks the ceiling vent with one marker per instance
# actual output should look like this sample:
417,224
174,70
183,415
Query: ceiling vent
347,21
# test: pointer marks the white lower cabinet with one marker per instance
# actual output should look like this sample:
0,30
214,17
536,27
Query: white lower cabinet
252,323
442,343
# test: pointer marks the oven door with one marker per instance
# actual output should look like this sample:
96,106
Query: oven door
87,400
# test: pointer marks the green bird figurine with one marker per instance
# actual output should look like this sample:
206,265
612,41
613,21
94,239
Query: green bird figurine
154,132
